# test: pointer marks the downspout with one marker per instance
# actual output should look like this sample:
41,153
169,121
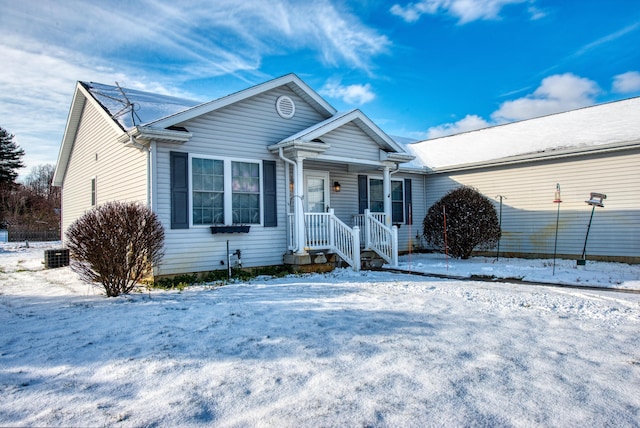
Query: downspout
295,212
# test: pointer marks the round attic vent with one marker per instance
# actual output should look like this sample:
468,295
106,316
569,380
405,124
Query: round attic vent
285,107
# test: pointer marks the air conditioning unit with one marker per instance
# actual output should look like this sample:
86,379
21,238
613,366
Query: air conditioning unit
56,258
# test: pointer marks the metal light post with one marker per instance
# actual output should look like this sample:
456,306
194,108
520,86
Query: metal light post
558,201
595,200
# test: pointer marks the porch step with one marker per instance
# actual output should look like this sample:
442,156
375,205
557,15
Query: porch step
370,260
315,261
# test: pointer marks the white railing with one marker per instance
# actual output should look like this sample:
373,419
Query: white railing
358,220
346,241
316,228
380,238
325,231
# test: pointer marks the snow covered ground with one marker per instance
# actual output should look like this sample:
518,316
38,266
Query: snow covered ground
341,349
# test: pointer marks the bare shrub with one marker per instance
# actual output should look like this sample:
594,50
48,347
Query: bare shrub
472,222
115,244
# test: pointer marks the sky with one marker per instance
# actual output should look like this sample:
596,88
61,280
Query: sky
420,69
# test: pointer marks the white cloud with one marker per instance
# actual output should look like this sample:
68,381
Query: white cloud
47,46
627,83
557,93
468,123
351,94
465,10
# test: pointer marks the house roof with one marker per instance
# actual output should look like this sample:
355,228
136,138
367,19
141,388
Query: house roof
129,110
598,127
131,107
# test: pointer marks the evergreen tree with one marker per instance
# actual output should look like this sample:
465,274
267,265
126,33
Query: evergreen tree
10,159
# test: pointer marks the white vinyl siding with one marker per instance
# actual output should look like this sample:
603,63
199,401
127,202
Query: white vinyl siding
350,142
529,214
120,172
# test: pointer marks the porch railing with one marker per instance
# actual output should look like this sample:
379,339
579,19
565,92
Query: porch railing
358,220
325,231
380,238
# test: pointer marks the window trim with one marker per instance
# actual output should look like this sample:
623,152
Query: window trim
399,180
227,189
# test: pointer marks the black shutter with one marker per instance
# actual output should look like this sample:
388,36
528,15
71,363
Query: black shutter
408,206
363,197
179,166
269,193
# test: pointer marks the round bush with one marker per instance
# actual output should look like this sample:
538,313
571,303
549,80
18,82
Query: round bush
115,244
471,219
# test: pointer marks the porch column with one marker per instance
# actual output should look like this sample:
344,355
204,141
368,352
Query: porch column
298,188
386,189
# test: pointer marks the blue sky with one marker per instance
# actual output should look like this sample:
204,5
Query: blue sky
419,69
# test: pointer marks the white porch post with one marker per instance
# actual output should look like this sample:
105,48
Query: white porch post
386,188
298,188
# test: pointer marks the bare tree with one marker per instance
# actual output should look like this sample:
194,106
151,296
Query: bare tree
116,244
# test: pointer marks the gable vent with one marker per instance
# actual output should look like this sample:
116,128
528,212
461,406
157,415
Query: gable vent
285,107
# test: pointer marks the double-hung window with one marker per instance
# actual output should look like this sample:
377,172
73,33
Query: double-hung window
245,185
376,198
225,192
207,198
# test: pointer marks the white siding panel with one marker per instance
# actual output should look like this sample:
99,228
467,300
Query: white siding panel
120,171
529,214
349,141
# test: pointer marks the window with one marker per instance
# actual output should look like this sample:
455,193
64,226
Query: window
397,202
245,186
376,198
224,192
93,192
207,180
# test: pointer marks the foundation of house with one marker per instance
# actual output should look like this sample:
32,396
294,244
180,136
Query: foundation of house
326,262
370,260
313,262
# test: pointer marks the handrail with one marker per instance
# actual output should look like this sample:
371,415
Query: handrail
381,239
326,231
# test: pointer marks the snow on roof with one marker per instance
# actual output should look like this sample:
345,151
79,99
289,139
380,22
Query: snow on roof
614,122
131,107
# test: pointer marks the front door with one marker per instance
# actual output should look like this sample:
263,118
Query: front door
316,200
316,191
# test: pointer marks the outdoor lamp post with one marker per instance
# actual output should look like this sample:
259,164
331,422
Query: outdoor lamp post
556,200
595,200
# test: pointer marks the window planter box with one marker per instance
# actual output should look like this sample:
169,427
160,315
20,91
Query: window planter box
230,229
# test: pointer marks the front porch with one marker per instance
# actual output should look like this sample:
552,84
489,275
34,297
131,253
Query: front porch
357,216
326,235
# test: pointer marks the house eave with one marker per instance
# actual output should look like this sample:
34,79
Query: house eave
144,135
396,157
300,147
